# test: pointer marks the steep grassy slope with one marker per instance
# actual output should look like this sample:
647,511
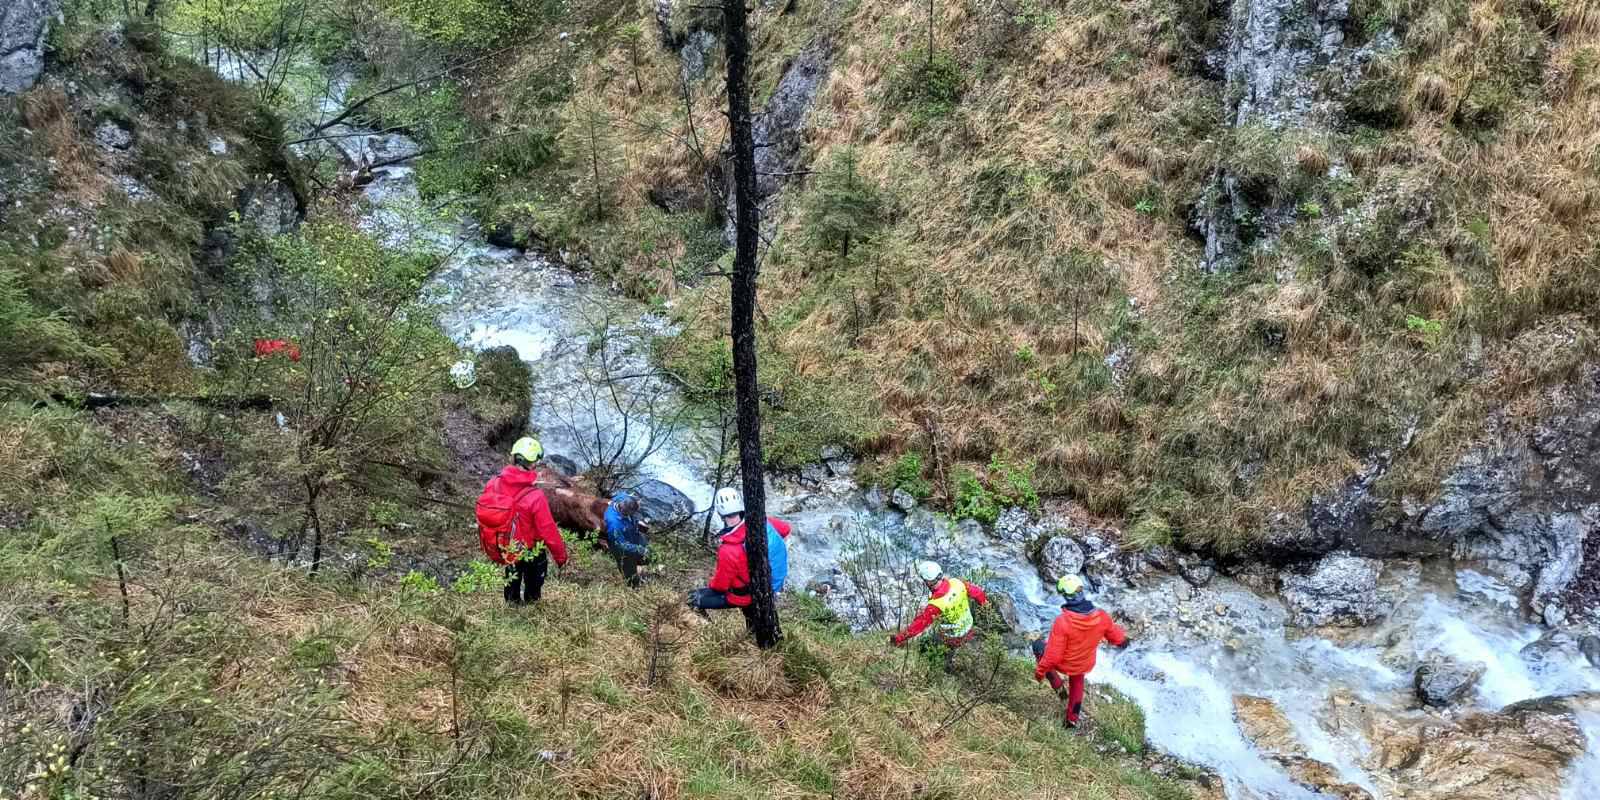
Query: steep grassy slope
142,654
113,174
1025,286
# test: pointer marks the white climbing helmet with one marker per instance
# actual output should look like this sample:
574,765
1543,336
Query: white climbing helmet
729,501
928,571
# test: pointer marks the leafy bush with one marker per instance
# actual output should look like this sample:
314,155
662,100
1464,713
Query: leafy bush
481,576
1013,483
929,87
1427,331
906,474
974,500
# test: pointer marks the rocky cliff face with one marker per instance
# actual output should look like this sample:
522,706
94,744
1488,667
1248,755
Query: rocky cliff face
779,130
1285,64
1522,506
23,26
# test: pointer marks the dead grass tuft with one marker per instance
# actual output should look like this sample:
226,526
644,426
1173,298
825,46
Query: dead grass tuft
47,112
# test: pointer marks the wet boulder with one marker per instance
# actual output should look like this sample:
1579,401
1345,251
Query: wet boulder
1590,647
561,464
1338,590
1195,570
1006,608
662,505
874,499
902,500
1264,724
1441,682
1521,751
1059,556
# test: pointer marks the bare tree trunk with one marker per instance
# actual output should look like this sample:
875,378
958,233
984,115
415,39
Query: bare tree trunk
314,521
638,86
930,36
724,418
594,161
747,398
122,579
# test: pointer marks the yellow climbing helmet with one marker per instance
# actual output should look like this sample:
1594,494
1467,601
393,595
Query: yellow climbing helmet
527,449
1069,585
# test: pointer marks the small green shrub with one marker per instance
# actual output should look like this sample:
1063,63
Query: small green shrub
1013,484
974,500
481,576
928,87
419,584
1151,530
906,474
1427,331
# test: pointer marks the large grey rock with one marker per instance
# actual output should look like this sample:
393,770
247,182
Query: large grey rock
562,465
23,26
1590,647
1341,590
1015,525
112,136
660,504
696,47
1287,68
1059,556
1442,682
1195,570
269,207
902,500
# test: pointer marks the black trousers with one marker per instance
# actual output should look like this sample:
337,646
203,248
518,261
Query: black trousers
525,579
628,565
713,600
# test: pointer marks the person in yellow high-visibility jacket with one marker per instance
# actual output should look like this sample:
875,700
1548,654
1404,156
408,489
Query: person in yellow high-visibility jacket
950,604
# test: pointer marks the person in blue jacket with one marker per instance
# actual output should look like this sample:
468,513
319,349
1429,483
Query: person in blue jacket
625,536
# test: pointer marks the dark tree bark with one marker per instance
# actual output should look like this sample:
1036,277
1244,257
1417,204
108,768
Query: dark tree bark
746,396
594,160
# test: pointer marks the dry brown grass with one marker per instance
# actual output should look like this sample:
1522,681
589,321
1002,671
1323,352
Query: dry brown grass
1077,138
46,111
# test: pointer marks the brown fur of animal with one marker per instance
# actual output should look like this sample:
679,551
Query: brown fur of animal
574,508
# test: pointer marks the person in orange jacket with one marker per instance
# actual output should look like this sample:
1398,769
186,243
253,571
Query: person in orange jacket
1070,651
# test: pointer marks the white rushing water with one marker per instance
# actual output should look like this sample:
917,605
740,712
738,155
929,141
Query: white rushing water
1185,673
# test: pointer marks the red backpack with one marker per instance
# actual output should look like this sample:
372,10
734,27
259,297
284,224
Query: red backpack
497,515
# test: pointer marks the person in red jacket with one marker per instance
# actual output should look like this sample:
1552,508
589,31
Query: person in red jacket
729,586
950,602
533,536
1074,638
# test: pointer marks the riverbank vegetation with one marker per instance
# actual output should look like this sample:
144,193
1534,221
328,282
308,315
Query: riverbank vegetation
147,649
